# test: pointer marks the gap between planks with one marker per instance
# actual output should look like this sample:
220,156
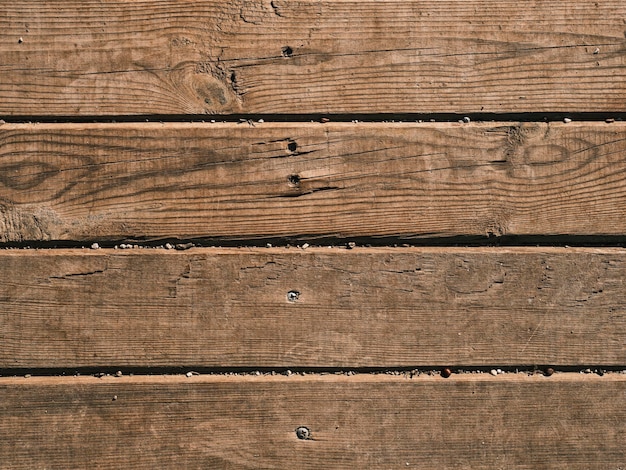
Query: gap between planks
521,377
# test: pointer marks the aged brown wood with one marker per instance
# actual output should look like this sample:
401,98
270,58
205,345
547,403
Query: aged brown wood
567,421
308,56
378,307
118,181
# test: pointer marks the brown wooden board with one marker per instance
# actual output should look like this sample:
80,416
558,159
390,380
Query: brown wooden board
90,57
567,421
149,180
378,307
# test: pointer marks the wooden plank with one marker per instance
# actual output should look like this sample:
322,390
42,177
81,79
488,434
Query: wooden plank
561,422
378,307
87,57
119,181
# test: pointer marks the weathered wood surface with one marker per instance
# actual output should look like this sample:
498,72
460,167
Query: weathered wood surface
567,421
308,56
378,307
120,181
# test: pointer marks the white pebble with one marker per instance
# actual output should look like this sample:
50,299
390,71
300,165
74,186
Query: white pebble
499,371
169,246
466,119
189,374
261,120
95,246
567,120
305,246
493,372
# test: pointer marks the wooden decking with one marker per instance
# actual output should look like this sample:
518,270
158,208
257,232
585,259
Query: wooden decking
312,234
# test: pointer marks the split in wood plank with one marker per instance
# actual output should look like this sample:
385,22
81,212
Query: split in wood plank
85,57
320,307
561,422
119,181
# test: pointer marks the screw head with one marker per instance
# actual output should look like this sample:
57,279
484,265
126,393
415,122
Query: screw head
549,371
446,372
293,295
302,432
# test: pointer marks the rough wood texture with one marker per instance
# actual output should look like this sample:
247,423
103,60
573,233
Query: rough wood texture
336,56
115,181
561,422
354,308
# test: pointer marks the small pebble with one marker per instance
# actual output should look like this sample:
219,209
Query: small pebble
27,376
324,119
305,246
169,246
549,371
95,246
118,373
268,245
184,246
114,397
189,374
351,245
466,119
567,120
499,371
261,120
288,373
20,40
597,51
609,120
493,372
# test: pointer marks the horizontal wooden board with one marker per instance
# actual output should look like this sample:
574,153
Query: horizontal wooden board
87,57
347,308
568,422
124,181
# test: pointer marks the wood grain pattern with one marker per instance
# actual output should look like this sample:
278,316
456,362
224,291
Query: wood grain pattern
119,181
562,422
87,57
378,307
